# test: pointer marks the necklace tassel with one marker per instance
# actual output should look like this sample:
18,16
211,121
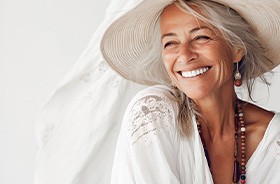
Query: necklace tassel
236,173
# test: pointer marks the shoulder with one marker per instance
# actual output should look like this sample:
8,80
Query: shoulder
151,113
259,123
160,91
156,97
257,118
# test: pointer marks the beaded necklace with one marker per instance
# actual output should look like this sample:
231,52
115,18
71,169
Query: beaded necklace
238,174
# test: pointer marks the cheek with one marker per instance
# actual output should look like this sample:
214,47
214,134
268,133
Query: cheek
225,65
227,59
168,61
224,72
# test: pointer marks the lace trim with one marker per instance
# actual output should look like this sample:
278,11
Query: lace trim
148,116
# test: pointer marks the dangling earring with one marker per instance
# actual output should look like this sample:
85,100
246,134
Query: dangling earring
237,77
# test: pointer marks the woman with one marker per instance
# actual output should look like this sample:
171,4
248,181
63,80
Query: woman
193,128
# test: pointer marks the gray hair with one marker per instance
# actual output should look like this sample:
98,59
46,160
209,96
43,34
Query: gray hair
238,33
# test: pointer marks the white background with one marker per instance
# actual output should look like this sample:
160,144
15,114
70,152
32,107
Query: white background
39,42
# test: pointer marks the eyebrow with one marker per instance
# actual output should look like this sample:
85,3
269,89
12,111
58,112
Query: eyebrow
191,31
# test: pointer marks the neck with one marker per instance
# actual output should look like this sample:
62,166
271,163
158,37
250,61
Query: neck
217,114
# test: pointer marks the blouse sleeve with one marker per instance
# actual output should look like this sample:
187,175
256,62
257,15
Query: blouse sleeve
147,146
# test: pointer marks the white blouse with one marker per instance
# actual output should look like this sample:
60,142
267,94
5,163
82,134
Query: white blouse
150,149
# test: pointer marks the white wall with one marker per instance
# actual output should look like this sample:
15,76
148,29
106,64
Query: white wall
39,42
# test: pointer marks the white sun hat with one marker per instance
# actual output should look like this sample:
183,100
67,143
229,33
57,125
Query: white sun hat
132,46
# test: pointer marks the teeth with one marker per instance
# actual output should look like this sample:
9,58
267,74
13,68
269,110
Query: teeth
194,73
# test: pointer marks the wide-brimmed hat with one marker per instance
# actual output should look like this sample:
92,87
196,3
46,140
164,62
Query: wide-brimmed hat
131,45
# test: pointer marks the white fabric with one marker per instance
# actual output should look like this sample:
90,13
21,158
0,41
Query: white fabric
150,149
78,127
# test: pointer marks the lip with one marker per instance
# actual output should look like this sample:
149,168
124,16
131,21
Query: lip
194,72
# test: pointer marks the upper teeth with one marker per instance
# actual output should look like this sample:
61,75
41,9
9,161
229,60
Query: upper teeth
194,73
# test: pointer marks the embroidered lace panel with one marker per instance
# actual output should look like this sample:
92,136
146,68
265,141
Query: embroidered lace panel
148,116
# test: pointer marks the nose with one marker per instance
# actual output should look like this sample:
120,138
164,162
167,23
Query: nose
187,54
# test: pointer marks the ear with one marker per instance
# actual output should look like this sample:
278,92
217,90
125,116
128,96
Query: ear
238,54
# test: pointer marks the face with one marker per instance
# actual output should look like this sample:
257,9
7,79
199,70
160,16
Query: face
197,58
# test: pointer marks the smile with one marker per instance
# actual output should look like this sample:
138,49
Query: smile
194,73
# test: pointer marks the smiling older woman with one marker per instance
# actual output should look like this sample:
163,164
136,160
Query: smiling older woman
192,128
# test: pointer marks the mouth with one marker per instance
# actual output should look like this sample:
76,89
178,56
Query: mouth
194,73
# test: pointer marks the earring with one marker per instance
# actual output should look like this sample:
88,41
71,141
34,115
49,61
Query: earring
237,77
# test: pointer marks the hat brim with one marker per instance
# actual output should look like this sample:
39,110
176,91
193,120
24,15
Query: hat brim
132,47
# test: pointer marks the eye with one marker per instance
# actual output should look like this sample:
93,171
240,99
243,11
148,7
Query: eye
168,44
202,38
